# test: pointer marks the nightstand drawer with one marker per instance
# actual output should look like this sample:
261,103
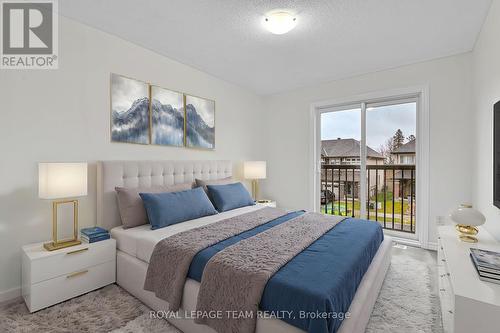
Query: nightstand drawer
50,292
71,260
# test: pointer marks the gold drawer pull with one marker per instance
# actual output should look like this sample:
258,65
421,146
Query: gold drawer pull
78,251
72,275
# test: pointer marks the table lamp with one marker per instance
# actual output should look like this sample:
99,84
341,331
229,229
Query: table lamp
255,170
59,182
467,220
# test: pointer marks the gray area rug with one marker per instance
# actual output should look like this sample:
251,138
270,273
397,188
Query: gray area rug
103,310
407,303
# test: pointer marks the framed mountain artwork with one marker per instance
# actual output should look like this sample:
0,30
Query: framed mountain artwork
200,122
129,110
167,117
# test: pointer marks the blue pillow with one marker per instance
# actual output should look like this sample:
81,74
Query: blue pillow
164,209
230,196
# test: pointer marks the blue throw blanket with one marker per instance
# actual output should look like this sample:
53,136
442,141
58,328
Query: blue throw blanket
314,290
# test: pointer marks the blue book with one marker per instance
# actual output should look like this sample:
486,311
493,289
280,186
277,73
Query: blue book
89,239
95,235
93,231
96,239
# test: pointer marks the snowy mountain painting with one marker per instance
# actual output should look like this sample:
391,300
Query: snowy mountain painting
200,122
129,110
167,110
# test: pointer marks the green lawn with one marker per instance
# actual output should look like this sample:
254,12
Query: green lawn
342,209
380,196
388,207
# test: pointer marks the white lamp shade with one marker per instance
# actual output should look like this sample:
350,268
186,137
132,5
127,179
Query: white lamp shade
254,169
467,215
62,180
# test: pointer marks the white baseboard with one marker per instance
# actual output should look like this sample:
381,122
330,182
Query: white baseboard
406,241
432,246
414,242
10,294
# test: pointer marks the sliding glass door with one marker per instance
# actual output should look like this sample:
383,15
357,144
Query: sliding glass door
340,161
369,160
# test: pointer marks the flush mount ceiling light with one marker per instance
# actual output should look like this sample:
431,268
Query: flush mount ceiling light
279,22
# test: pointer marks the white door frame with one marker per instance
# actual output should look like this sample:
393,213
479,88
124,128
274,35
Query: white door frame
422,149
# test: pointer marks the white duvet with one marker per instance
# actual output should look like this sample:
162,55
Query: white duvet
140,241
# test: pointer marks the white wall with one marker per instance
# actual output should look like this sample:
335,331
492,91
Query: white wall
486,71
63,115
288,128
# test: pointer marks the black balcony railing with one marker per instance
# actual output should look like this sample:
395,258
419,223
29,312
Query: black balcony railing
390,199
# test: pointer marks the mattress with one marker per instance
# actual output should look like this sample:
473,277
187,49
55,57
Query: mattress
131,273
140,241
323,278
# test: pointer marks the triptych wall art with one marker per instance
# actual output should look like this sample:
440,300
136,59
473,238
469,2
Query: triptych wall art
147,114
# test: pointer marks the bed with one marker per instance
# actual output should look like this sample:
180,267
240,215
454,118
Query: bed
136,245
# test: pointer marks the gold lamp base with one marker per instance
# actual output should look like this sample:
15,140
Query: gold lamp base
57,244
468,239
60,245
255,189
467,233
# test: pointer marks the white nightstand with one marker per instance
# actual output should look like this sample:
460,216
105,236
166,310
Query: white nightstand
268,203
56,276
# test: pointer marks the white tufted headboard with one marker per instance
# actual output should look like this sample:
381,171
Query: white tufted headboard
133,174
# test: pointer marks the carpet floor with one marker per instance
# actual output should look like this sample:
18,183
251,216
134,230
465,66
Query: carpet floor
408,302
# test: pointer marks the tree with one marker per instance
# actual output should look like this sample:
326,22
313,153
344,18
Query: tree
398,139
411,138
386,151
391,144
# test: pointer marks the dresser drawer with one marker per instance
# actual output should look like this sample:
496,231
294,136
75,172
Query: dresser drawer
69,261
440,254
50,292
446,298
448,320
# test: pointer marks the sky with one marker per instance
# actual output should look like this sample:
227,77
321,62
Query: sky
168,97
381,123
125,91
204,107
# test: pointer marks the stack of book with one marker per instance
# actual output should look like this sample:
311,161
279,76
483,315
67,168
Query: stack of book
94,234
487,264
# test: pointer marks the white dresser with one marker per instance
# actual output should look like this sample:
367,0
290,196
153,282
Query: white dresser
56,276
468,304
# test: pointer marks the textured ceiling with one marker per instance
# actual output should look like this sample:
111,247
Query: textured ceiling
333,39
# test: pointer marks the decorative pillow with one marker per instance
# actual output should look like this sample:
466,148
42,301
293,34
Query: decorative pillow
222,181
169,208
130,204
230,196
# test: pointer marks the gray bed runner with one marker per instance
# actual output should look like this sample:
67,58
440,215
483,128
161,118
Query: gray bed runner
171,257
234,279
